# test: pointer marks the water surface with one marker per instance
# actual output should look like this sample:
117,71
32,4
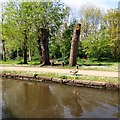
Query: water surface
23,99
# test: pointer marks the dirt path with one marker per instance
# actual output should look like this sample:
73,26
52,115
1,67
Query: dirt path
56,70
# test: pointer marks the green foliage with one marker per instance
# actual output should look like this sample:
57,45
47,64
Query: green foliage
99,33
97,45
112,29
22,22
54,49
90,18
66,40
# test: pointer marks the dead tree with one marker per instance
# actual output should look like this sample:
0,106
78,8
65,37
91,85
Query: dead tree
74,45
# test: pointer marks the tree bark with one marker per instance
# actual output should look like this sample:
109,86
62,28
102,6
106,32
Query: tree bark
44,46
17,54
74,45
3,50
43,35
39,49
25,48
30,55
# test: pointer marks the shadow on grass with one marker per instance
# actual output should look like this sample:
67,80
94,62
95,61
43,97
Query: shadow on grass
56,64
67,65
99,64
78,74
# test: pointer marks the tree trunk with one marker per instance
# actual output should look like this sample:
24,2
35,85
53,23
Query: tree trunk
25,49
24,54
3,50
30,54
39,49
44,47
17,54
74,45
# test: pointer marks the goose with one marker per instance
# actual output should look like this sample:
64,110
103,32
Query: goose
74,71
35,75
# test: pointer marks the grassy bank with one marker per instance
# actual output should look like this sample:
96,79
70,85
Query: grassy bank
70,77
83,65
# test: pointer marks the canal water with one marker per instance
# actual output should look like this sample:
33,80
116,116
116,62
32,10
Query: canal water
21,99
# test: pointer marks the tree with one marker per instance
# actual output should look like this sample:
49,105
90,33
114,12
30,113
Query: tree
3,50
16,16
65,41
111,22
97,45
47,18
90,18
74,45
42,19
103,41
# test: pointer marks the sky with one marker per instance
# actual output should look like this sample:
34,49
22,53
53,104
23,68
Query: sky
104,4
76,4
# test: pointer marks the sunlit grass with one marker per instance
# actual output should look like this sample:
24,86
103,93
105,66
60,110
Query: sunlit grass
9,62
83,65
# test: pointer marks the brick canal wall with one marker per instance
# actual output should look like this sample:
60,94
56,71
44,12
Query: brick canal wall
82,83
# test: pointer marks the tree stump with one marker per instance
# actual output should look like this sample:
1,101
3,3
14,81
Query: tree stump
74,45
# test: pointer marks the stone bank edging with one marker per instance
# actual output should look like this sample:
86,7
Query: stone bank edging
82,83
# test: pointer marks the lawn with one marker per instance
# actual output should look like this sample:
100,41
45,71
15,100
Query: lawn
83,65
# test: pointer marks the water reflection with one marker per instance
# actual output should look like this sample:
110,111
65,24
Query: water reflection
43,100
0,99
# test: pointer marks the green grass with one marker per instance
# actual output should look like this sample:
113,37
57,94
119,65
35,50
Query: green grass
70,77
15,62
83,65
9,62
103,67
34,62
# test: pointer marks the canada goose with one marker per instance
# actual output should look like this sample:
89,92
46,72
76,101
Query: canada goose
75,71
35,75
